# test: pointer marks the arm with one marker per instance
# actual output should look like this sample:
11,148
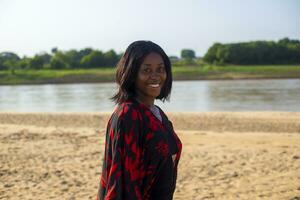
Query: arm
123,170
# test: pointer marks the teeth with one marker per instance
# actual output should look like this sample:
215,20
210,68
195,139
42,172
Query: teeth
154,85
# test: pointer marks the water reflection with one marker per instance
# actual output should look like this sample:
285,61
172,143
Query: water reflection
187,96
255,95
57,98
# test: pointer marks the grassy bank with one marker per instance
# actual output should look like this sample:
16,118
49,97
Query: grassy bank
205,72
208,72
57,76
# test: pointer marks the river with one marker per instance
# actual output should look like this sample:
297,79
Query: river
187,96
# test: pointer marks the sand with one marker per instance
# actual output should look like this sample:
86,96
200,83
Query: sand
250,155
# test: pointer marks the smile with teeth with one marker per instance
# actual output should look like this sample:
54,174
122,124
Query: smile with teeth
154,85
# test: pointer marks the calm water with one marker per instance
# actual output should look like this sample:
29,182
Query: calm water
191,96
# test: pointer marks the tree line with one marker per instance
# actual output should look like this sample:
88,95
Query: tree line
57,59
72,59
284,51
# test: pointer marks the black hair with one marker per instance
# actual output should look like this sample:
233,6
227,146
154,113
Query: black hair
128,67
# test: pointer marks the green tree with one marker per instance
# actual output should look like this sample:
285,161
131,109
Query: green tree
93,60
188,54
111,58
85,52
39,61
23,63
59,61
211,54
73,58
9,60
2,66
285,51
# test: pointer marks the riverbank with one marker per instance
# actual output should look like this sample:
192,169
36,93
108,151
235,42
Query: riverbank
203,72
248,155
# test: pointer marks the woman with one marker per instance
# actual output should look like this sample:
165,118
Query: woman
141,150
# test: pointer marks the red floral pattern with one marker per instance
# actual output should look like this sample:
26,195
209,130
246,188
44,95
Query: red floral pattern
136,150
162,148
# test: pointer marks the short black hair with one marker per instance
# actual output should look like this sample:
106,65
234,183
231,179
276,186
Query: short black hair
128,67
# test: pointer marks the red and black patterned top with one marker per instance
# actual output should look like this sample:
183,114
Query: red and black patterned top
141,155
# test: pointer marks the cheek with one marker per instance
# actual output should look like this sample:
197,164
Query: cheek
164,77
139,77
140,81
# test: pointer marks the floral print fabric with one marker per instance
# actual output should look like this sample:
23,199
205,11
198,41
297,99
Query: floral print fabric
141,155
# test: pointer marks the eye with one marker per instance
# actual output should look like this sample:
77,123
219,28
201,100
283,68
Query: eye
161,69
147,70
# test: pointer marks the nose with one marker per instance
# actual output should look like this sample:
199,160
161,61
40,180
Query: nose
154,75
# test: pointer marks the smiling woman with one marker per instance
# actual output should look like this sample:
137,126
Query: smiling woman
150,78
142,150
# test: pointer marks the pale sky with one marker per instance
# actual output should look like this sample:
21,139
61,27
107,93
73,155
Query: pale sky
28,27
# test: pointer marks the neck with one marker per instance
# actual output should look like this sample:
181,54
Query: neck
149,102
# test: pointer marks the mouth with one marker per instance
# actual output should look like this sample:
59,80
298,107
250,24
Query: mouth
154,85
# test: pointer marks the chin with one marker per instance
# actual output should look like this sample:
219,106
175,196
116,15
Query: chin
154,95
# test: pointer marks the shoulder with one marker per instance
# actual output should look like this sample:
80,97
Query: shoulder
126,120
127,111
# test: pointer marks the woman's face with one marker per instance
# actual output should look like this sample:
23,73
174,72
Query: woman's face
150,78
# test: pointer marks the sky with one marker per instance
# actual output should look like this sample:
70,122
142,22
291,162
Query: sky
28,27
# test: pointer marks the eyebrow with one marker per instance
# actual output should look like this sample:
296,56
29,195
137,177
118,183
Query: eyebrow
150,64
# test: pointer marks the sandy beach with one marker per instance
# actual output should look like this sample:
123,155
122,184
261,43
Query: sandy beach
238,155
